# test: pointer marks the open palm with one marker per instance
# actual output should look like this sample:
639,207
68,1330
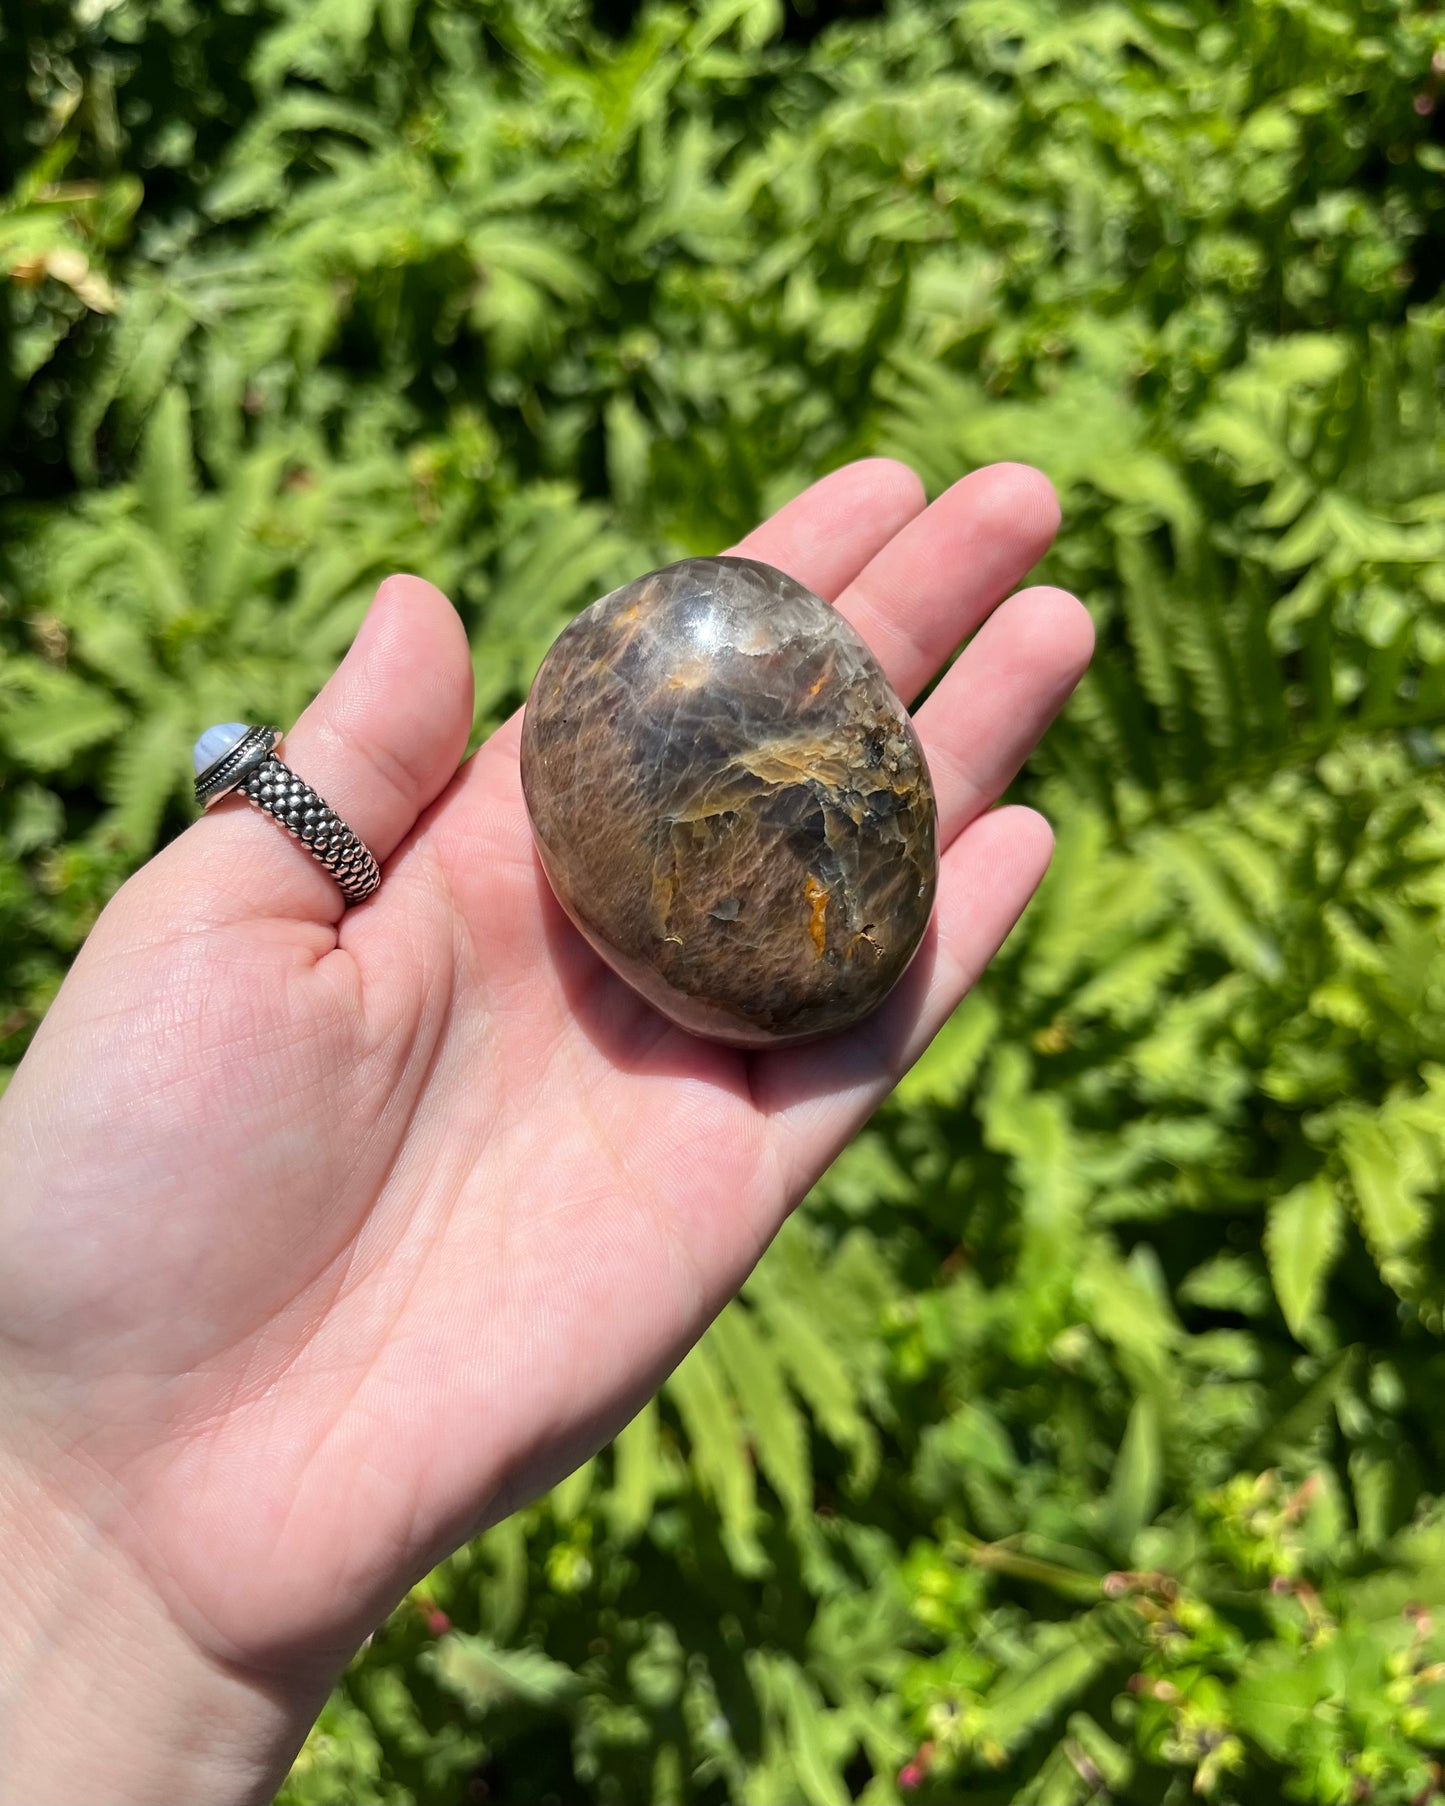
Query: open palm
330,1238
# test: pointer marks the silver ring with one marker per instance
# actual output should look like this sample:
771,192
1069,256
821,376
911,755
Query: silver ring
234,757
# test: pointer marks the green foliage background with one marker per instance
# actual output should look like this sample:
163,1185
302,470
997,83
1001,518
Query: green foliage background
1082,1438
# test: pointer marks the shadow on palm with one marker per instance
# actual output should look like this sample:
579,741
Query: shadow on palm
634,1039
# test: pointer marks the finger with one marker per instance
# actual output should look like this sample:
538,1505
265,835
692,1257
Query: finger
931,585
381,741
817,1096
828,534
994,705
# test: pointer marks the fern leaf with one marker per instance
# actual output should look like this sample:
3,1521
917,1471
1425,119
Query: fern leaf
167,474
151,766
629,446
229,541
810,1733
503,1556
61,717
774,1422
1126,989
1389,1183
1137,1479
814,1368
1033,1128
946,1071
1215,906
718,1452
111,647
485,1676
1126,1306
1149,623
569,1497
1227,1283
637,1475
1014,1708
33,818
1302,1240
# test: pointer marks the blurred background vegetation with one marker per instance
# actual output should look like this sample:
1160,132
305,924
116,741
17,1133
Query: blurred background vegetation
1082,1438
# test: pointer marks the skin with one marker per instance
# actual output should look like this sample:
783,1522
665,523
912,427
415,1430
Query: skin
331,1238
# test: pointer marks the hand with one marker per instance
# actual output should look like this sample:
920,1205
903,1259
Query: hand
331,1238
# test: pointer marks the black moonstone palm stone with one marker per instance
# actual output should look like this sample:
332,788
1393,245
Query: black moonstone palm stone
730,802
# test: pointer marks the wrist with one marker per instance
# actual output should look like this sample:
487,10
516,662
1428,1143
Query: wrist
103,1697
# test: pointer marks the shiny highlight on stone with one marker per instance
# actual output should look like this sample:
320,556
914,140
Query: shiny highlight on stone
730,802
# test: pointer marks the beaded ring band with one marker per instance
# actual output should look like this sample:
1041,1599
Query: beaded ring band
234,757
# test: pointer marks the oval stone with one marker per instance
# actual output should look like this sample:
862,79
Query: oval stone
730,802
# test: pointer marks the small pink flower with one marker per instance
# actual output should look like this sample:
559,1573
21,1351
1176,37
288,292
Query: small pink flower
438,1623
1424,105
911,1775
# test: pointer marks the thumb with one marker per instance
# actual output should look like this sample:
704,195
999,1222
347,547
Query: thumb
380,742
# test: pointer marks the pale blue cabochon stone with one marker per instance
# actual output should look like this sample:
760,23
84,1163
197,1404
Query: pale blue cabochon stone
216,742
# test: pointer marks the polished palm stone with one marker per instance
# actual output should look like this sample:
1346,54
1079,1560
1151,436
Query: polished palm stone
730,802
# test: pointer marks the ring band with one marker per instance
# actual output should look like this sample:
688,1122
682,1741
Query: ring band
245,761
